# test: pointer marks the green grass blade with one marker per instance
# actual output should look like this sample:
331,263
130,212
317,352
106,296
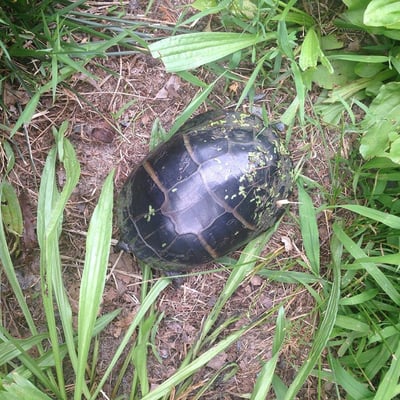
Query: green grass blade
380,278
388,386
251,81
155,291
309,229
138,351
21,388
326,326
189,369
386,259
300,90
279,387
361,298
344,378
139,355
10,348
352,324
191,108
265,377
28,112
72,170
91,50
289,276
51,205
369,59
392,221
244,265
94,277
18,348
49,259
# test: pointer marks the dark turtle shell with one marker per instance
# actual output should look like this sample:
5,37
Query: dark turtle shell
211,188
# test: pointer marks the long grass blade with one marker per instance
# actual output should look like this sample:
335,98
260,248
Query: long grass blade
197,363
265,377
10,348
344,378
21,388
388,386
51,205
14,348
380,278
191,108
325,327
243,267
155,291
94,277
390,220
309,229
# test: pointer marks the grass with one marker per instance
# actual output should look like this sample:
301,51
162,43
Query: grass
356,341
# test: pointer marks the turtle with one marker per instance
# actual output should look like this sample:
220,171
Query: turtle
215,185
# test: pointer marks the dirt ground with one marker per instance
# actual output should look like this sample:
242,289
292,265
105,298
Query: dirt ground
105,139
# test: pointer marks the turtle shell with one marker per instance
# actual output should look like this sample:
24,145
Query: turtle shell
211,188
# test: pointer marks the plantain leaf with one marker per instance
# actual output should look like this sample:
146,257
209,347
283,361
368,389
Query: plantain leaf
383,13
382,123
188,51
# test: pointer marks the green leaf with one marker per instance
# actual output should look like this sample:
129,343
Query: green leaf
325,328
243,8
359,298
310,50
381,121
12,348
354,16
309,229
383,13
10,157
21,388
380,278
343,73
149,300
289,115
344,378
267,372
94,277
388,386
389,220
284,40
368,70
51,205
352,324
28,112
11,210
331,42
192,50
203,5
359,58
394,152
300,90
